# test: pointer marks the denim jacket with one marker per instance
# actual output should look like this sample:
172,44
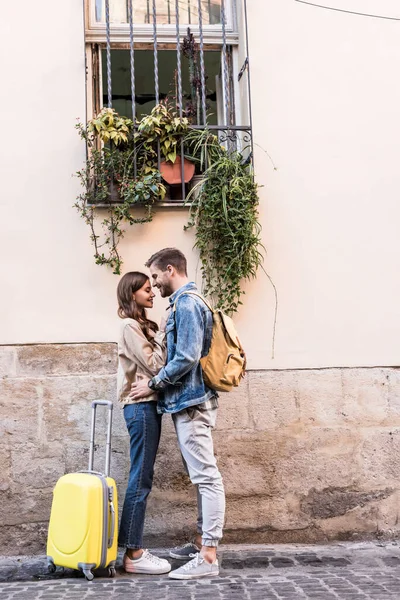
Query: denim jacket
188,333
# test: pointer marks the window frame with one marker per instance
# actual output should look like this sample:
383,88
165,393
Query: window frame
95,38
119,32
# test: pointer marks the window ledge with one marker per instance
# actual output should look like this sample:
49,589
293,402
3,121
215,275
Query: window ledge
176,204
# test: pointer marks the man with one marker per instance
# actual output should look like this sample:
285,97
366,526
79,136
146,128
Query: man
192,404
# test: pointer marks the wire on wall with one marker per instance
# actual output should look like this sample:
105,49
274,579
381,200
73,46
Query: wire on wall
349,12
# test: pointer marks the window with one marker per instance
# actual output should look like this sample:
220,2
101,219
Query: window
165,10
189,51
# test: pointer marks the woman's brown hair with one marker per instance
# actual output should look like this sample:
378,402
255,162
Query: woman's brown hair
127,307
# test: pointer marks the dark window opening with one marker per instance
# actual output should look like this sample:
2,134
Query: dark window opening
144,81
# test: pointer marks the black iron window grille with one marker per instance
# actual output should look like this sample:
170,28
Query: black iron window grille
195,52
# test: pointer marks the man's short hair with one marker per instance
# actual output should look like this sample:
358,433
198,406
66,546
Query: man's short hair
169,256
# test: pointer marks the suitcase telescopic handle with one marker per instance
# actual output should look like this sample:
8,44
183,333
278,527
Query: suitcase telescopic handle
110,407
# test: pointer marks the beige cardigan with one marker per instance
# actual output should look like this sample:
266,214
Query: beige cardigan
137,356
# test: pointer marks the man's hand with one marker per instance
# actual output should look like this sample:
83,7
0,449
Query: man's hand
140,388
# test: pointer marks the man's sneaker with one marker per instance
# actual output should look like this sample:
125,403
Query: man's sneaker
184,552
197,567
147,563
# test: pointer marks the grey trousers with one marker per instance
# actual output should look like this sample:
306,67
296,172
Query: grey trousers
193,428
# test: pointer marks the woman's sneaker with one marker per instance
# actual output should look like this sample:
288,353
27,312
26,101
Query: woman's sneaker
196,568
185,552
147,563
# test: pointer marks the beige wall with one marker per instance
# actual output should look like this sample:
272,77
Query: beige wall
325,107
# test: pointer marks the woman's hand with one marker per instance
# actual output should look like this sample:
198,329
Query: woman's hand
140,388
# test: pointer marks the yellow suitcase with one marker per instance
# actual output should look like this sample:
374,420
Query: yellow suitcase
84,515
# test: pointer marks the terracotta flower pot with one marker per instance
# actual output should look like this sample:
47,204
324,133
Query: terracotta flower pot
172,172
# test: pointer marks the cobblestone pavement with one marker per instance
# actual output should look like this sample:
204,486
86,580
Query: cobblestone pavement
338,572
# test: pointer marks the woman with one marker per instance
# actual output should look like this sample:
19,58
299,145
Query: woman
141,352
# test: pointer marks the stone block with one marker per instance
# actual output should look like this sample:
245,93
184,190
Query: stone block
169,473
379,451
262,513
319,394
5,472
25,539
21,410
36,467
67,407
245,462
7,361
315,457
119,426
181,513
393,378
233,412
275,463
41,360
273,401
76,456
26,506
365,397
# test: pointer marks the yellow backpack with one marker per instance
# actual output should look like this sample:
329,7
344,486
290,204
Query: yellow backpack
225,364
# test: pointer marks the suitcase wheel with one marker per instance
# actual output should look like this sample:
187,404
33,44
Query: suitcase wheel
51,567
88,574
112,572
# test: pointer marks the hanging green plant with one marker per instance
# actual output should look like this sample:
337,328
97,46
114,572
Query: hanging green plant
225,216
108,179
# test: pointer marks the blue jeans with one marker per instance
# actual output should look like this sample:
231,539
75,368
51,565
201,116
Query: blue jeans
144,427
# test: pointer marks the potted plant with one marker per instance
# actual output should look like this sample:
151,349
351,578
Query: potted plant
164,127
110,127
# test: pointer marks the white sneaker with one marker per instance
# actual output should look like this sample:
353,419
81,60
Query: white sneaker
198,567
147,563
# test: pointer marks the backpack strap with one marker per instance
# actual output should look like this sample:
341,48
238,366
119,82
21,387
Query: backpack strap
188,294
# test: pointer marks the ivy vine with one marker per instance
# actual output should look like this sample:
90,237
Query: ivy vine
224,213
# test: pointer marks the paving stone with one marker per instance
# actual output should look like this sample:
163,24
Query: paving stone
280,562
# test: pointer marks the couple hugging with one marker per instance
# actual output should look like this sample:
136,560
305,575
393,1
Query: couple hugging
160,372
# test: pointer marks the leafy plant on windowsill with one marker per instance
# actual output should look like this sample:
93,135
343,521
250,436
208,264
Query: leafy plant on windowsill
162,126
111,169
110,127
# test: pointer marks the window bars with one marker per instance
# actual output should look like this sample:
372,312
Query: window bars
228,132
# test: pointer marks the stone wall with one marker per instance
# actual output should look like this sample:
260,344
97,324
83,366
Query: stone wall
306,455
